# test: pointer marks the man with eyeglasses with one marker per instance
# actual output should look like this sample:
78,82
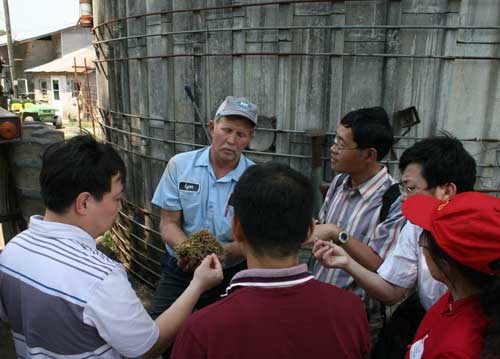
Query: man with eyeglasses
350,215
438,167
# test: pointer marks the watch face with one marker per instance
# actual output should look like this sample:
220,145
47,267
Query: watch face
343,236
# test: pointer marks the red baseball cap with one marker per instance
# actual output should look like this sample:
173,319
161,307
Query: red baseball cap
467,227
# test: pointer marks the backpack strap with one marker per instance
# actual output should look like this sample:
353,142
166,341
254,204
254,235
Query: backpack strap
390,195
340,180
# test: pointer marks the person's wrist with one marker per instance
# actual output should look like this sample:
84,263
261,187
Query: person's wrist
349,264
333,232
197,285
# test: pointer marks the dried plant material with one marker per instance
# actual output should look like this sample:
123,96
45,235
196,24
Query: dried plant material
197,247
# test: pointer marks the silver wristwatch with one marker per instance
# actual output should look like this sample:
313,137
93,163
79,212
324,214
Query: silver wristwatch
342,238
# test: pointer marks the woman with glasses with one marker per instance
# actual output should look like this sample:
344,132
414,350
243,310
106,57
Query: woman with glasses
461,244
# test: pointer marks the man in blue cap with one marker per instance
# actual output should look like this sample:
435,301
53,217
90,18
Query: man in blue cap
194,194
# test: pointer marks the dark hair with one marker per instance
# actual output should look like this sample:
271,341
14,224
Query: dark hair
273,203
443,160
370,129
78,165
489,296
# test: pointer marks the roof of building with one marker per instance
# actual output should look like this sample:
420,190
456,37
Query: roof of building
67,62
36,34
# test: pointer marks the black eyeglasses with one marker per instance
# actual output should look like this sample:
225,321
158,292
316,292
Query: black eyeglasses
341,147
409,190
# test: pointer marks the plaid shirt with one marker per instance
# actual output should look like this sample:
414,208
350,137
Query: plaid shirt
357,211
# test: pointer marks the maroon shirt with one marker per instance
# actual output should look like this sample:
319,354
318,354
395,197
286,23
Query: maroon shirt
450,329
277,314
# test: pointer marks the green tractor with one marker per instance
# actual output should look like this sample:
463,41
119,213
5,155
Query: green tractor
41,113
27,110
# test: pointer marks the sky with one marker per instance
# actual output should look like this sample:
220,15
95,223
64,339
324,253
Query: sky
35,16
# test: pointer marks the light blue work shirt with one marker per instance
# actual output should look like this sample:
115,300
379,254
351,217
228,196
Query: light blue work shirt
189,185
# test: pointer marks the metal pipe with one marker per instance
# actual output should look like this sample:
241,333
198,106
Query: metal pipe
199,9
191,122
10,47
189,94
151,230
143,210
86,18
128,256
319,54
151,138
285,28
197,145
135,153
272,154
78,97
140,239
475,139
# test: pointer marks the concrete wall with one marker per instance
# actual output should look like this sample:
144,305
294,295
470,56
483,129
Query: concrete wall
30,54
38,52
306,65
74,39
435,71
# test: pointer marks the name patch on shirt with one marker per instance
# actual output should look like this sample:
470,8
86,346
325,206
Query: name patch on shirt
189,187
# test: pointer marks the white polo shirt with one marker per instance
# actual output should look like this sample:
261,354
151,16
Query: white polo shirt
406,266
63,298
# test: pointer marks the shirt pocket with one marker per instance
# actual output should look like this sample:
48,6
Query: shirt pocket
224,226
191,206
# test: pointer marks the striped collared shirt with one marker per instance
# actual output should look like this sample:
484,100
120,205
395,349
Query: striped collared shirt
357,212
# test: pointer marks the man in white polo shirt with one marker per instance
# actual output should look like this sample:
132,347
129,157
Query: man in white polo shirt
62,297
194,193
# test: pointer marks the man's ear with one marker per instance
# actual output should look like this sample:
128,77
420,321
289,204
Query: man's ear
252,136
446,191
238,234
371,154
211,126
310,231
82,202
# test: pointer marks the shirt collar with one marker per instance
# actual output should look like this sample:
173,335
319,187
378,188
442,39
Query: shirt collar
369,187
455,306
60,230
204,161
270,278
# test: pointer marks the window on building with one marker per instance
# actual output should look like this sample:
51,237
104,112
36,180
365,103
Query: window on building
75,88
55,90
22,87
43,88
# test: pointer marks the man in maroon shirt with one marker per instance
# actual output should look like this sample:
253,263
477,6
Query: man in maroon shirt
275,309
